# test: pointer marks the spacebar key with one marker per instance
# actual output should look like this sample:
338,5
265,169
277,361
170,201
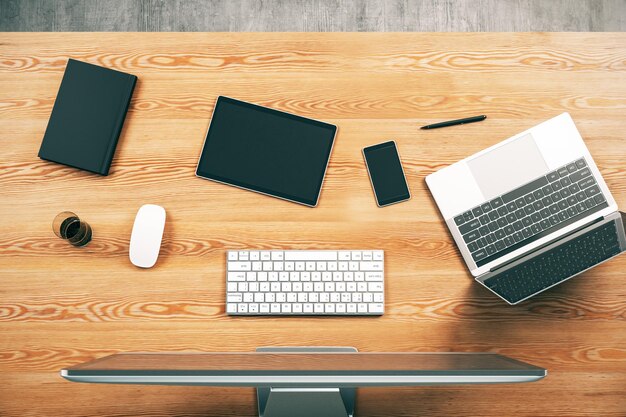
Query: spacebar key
525,189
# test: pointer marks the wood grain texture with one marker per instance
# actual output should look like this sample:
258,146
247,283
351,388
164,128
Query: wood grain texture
313,15
60,306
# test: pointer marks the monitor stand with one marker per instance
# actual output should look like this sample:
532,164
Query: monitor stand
306,402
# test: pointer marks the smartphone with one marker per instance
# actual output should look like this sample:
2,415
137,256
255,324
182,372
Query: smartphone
386,173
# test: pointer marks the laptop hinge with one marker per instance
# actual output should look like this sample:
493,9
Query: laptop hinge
538,248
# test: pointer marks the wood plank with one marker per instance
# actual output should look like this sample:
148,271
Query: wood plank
60,306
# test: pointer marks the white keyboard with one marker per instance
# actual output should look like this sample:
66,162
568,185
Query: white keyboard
305,282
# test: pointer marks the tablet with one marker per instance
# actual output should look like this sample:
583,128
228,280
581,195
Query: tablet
267,151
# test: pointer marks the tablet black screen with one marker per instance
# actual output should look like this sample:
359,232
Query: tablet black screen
266,150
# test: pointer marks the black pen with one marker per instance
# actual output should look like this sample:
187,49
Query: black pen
455,122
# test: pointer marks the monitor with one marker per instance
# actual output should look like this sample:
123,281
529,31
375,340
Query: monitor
304,378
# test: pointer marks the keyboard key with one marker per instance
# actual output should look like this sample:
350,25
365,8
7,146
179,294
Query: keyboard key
525,189
586,182
471,236
236,276
239,266
376,308
469,226
496,202
580,163
374,276
547,190
529,198
481,254
371,266
562,172
553,176
574,188
511,207
571,167
593,190
578,175
599,199
477,211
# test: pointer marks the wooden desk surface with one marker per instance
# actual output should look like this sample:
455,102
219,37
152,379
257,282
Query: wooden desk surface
60,306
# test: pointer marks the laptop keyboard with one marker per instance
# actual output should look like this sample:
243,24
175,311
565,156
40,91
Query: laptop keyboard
557,264
532,211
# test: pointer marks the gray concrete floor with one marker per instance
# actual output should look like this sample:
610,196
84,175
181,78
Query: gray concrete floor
313,15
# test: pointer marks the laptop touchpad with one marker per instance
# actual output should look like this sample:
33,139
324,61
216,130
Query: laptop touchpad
507,167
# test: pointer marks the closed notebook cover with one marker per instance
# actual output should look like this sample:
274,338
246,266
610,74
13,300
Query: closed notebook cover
87,117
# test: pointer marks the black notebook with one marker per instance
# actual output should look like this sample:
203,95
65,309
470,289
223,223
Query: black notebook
87,117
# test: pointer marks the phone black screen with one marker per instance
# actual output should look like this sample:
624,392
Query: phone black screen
385,170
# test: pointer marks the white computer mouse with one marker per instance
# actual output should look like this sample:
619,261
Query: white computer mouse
145,240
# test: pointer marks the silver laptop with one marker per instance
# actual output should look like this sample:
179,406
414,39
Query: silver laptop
531,211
